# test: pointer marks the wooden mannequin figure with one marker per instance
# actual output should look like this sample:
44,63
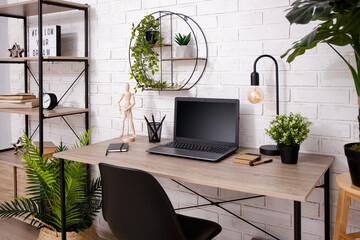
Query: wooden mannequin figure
129,103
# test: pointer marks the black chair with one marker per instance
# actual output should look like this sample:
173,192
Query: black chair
136,207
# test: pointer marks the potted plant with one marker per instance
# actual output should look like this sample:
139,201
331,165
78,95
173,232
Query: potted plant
289,132
146,60
43,205
339,25
183,50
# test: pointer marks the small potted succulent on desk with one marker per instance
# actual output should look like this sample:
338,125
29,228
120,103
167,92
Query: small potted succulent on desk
183,50
289,132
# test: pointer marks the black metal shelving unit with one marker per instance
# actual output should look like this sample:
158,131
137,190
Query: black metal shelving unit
38,8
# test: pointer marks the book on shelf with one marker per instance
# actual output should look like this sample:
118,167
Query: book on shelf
48,148
17,96
18,100
27,104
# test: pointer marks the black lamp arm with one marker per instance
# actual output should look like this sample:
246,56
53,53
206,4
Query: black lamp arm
255,75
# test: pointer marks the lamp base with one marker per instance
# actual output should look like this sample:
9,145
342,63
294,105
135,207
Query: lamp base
270,150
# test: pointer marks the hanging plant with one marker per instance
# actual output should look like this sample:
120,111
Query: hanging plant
146,60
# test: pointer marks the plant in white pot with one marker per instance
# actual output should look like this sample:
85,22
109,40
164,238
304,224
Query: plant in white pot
339,22
183,50
289,132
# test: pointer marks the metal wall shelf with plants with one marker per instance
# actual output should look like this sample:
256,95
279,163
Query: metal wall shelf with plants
152,46
37,8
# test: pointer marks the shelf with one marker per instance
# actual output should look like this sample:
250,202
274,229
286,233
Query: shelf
45,58
8,157
30,8
56,112
162,45
166,89
182,59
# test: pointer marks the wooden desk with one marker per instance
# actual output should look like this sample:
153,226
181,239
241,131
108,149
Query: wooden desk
292,182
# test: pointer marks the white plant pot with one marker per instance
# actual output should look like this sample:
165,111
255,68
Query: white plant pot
184,51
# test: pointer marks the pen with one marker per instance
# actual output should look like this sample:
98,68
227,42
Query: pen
261,162
147,121
253,154
155,133
162,120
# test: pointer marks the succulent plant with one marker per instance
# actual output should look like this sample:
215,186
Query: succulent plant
182,39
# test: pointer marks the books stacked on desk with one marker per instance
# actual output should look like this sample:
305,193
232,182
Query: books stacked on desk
19,100
247,158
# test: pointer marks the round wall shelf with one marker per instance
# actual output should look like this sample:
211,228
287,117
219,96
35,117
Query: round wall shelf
172,68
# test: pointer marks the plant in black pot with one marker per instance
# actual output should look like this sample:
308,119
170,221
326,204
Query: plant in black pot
339,22
289,132
146,60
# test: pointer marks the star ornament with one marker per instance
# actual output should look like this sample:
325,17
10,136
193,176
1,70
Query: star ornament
16,51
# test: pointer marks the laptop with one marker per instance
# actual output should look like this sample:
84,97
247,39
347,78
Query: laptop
204,129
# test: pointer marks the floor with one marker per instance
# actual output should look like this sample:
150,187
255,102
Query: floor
11,229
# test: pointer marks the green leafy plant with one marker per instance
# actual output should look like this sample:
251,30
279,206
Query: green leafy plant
289,130
83,196
146,59
339,26
182,39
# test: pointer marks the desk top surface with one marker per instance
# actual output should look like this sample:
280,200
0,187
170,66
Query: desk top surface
292,182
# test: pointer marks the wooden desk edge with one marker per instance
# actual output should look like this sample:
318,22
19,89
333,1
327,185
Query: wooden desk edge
332,159
64,155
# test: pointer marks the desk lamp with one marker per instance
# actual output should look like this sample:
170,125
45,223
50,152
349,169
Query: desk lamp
256,95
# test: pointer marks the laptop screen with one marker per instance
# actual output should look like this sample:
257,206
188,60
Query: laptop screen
207,120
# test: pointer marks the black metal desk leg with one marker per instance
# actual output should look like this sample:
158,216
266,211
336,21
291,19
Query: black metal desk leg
327,204
62,195
297,220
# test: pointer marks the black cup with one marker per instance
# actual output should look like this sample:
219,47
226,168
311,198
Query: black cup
154,133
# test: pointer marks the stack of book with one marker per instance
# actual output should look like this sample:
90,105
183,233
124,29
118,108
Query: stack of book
19,100
49,148
247,158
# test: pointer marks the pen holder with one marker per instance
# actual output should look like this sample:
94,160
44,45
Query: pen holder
154,136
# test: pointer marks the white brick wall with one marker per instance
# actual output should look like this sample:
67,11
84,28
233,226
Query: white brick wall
317,84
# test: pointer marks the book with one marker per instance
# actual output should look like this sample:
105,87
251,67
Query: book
49,148
247,159
18,100
19,96
29,104
117,147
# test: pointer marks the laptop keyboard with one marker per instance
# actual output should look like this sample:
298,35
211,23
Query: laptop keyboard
198,147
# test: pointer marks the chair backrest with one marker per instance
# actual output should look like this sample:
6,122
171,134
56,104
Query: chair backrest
136,206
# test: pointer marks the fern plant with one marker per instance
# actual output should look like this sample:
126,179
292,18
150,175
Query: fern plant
82,195
182,39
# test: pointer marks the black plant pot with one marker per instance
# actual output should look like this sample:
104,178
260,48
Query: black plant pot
151,36
289,154
353,158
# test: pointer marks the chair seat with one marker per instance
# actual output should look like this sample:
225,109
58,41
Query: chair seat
198,229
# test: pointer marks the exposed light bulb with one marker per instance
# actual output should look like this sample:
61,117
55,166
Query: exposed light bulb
255,95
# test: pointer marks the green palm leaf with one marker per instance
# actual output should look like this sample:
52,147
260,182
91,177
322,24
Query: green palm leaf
23,207
82,195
